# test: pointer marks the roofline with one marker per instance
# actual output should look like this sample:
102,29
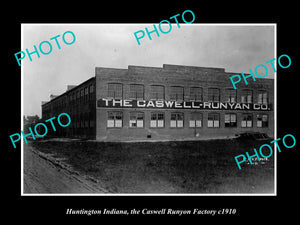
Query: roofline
66,92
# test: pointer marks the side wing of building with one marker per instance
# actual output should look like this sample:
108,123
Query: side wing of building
79,103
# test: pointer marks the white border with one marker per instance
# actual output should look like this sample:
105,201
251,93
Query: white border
164,194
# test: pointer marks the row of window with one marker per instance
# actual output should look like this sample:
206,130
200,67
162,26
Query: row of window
157,120
83,123
177,93
82,95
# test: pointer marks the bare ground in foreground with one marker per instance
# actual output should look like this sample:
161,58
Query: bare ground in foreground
44,174
76,166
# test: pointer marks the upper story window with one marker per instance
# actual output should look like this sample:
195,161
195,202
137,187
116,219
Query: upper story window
115,91
176,93
136,91
196,94
157,92
246,96
91,88
74,96
86,92
78,95
230,95
81,95
213,95
262,97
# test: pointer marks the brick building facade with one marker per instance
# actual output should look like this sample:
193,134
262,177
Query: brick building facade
169,103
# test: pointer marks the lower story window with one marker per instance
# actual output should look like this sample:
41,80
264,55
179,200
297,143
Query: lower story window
230,120
136,119
246,120
92,123
262,120
213,120
195,120
176,120
157,119
114,119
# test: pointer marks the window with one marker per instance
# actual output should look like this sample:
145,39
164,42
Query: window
213,120
195,120
230,95
246,120
157,92
136,91
230,120
86,92
213,94
91,88
262,120
176,120
176,93
246,96
196,94
74,97
136,119
81,95
90,92
115,91
157,119
69,99
262,97
114,119
92,123
78,96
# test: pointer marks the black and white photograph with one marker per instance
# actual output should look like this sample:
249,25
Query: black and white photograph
144,111
161,109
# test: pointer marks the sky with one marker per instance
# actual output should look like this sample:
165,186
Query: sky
235,47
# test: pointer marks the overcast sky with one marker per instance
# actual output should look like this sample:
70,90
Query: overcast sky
235,48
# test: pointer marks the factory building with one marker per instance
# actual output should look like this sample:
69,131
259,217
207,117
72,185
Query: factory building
172,102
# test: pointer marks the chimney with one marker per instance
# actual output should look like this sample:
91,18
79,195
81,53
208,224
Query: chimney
52,97
69,87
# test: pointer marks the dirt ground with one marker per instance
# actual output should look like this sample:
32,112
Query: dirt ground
74,166
44,174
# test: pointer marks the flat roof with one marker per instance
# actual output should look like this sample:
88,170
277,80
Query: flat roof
67,91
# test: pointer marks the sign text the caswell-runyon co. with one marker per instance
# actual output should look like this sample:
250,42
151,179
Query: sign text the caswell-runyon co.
132,103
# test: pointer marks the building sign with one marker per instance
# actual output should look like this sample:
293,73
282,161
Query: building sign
164,104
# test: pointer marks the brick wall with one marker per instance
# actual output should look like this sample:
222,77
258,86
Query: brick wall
174,75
